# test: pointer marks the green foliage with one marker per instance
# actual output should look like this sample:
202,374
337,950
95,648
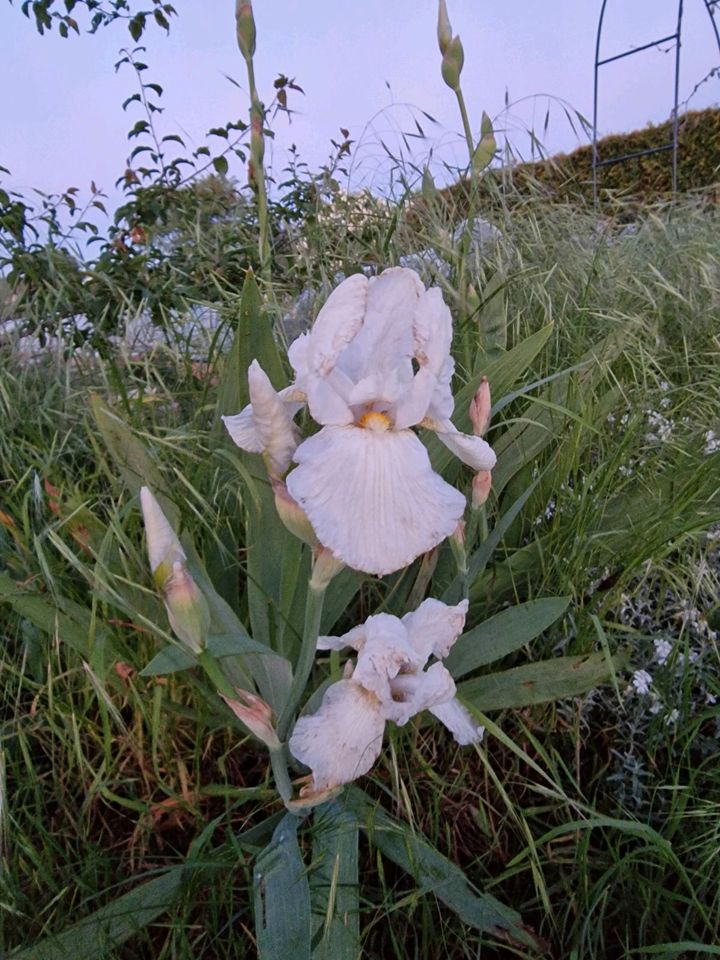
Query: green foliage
117,749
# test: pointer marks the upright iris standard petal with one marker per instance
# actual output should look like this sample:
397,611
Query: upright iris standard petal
372,496
434,627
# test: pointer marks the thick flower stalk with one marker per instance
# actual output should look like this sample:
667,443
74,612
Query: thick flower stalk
389,681
375,364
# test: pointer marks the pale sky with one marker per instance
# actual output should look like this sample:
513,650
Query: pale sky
60,100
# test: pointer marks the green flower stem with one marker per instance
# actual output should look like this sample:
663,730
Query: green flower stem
278,762
470,214
223,686
306,659
216,675
466,128
257,114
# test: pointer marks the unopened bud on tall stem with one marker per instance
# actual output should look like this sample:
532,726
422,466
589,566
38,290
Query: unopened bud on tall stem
452,64
186,607
245,28
480,407
444,30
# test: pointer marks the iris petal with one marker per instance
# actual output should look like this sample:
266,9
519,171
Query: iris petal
343,739
372,497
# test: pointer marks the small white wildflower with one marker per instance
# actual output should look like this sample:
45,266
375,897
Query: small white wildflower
672,717
641,680
656,704
710,698
664,386
661,428
712,443
663,649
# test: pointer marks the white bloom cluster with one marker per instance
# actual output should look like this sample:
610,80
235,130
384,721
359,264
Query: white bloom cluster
375,364
641,682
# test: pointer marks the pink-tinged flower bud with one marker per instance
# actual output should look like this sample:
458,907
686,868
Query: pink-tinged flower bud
444,30
458,535
457,545
257,716
187,609
452,64
292,515
325,567
480,406
481,486
245,28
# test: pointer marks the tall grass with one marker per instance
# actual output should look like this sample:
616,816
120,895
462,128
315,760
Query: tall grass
596,818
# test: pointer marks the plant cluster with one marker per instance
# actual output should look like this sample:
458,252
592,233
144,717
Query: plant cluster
346,541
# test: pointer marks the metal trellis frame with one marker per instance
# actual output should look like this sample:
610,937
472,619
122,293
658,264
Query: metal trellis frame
674,38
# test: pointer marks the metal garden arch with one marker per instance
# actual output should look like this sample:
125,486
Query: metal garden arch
676,39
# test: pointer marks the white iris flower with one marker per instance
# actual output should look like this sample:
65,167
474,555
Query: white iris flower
375,364
343,739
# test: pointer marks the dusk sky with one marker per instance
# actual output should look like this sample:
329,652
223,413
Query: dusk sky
359,64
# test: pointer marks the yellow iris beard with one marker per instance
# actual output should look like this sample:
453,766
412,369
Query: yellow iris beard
374,420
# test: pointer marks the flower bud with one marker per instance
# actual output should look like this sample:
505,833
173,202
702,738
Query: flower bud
245,28
257,716
480,406
457,544
292,515
325,567
429,190
164,548
444,30
452,64
187,609
481,486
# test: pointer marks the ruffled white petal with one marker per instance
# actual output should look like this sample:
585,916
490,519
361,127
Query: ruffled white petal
434,627
243,431
385,653
413,405
343,739
326,402
414,692
354,638
385,339
474,451
372,497
459,721
273,421
442,403
337,324
265,425
432,331
298,356
162,542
